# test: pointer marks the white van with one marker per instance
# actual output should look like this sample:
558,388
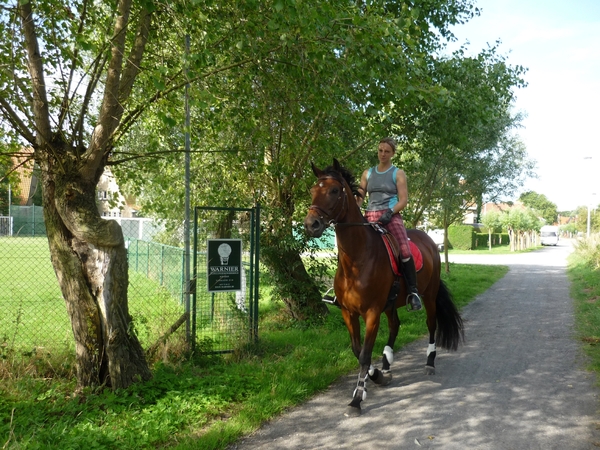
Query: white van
438,238
549,235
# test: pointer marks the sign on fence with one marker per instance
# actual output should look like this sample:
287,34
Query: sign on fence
224,265
224,315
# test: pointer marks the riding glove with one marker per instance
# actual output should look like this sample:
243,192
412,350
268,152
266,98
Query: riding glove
387,217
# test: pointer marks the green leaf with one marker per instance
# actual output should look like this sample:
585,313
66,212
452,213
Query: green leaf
158,84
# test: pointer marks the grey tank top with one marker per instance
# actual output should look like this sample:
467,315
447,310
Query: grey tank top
381,187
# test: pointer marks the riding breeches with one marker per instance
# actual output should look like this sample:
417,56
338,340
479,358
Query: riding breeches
396,227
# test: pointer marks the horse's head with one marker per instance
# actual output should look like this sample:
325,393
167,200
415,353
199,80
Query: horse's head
329,200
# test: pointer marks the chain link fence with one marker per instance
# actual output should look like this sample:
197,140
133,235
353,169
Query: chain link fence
34,317
33,314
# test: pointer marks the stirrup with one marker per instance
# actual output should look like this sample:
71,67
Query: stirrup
413,302
330,299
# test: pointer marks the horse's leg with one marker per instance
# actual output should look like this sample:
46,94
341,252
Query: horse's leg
431,350
353,325
364,358
384,376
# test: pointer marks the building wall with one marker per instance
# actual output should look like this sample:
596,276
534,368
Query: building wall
111,203
28,182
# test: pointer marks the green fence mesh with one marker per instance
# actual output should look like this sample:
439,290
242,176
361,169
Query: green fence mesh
33,314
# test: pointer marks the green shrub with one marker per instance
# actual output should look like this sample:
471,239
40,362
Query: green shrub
589,250
481,239
462,237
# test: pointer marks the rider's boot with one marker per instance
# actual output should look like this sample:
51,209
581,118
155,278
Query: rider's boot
413,300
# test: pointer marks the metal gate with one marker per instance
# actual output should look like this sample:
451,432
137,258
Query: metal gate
225,274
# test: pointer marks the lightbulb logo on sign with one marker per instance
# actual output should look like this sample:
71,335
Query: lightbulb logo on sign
224,252
224,265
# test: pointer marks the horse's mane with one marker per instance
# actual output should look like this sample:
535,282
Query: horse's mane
344,173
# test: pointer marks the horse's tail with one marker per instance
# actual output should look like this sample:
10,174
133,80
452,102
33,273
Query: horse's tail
450,331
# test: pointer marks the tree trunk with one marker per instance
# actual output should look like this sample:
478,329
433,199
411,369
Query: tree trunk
294,285
302,298
90,262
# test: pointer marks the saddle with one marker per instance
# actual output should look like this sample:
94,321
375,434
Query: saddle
393,249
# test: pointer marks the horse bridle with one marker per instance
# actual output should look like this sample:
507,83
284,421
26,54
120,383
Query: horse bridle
334,222
322,213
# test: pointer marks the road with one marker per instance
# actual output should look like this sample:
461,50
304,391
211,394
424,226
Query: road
519,381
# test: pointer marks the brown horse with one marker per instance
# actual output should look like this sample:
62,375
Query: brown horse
364,279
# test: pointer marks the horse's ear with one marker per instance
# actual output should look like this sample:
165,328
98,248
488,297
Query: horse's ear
336,165
316,170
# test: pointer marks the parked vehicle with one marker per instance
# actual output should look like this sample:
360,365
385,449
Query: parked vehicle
549,235
438,238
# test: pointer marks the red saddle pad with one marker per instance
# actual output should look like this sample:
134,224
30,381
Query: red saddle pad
414,250
417,255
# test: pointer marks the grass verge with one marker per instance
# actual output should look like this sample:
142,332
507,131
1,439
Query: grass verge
212,402
584,274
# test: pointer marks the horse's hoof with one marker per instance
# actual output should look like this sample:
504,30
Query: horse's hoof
377,377
352,411
386,378
429,370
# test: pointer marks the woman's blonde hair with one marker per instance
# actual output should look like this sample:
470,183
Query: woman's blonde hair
389,141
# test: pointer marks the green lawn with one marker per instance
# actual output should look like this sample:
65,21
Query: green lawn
34,317
212,401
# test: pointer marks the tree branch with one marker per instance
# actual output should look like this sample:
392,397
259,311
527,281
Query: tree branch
110,110
169,332
36,70
64,110
133,63
15,121
28,157
95,75
163,152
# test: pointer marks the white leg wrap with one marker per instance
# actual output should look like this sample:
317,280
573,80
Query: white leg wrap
389,353
371,370
362,386
364,394
430,348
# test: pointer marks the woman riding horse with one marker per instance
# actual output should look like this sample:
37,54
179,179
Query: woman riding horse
388,196
364,279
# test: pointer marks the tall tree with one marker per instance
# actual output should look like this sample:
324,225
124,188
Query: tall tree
467,128
73,81
317,96
67,76
541,205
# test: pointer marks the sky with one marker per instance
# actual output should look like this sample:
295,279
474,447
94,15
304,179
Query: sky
559,43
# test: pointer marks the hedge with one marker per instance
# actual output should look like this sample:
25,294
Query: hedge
466,237
461,237
481,239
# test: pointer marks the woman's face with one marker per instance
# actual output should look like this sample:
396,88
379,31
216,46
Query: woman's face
385,153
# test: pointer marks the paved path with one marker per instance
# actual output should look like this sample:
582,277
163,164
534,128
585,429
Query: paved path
517,383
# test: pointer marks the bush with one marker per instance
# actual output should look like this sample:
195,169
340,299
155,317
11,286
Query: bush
462,237
589,250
